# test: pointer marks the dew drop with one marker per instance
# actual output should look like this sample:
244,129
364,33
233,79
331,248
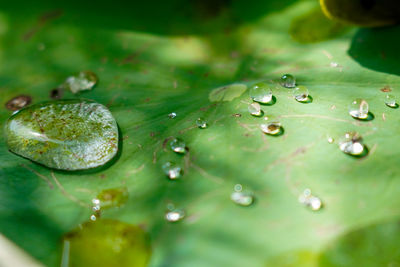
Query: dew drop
178,145
201,123
93,218
330,140
300,93
240,197
174,215
83,81
351,143
255,109
261,92
172,115
309,200
359,109
288,81
271,128
390,101
108,243
172,170
64,134
18,102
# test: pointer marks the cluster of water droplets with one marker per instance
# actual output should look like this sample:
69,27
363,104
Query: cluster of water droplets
309,200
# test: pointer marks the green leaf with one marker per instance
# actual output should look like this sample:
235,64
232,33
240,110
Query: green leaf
148,68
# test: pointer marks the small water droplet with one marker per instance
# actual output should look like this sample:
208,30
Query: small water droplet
271,128
390,101
330,140
172,170
240,197
307,199
351,143
18,102
334,64
300,93
261,92
172,115
175,215
288,81
359,109
93,218
255,109
85,80
178,145
201,123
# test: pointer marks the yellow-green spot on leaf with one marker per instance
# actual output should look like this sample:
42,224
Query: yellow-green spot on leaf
227,93
107,243
113,197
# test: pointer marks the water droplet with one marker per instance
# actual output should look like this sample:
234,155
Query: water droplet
288,81
271,128
93,218
330,140
172,115
351,143
178,145
172,170
18,102
175,215
64,134
201,123
108,243
113,197
300,93
85,80
359,109
334,64
390,101
313,202
261,93
242,198
255,109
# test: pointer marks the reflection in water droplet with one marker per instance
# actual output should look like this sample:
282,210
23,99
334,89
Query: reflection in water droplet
113,197
174,215
85,80
18,102
255,109
201,123
313,202
242,198
172,115
172,170
300,93
261,92
64,134
351,143
288,81
390,101
271,128
330,140
108,243
178,145
93,218
359,109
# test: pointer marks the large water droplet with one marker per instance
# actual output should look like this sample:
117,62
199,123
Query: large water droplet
271,128
300,93
113,197
351,143
359,109
18,102
66,135
108,243
261,92
172,170
288,81
178,145
255,109
240,197
390,101
313,202
85,80
201,123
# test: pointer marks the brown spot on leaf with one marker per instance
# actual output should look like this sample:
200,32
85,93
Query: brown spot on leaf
18,102
386,89
56,93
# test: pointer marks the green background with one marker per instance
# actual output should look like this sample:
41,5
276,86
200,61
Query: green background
156,58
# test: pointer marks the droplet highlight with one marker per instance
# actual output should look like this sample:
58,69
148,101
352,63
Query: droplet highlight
359,109
178,145
172,170
261,92
255,109
309,200
288,81
351,143
300,93
172,115
390,101
271,128
173,214
201,123
240,197
83,81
